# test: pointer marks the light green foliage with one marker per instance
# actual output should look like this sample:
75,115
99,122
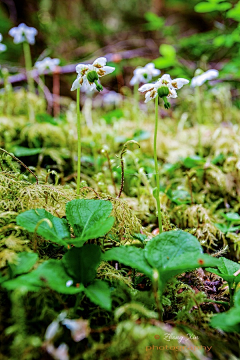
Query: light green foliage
230,320
212,5
55,229
88,218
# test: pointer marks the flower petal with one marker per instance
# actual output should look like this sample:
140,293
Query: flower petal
179,82
172,93
150,95
105,70
166,79
77,83
100,62
146,87
211,74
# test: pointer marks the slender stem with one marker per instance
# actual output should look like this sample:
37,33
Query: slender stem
156,168
199,119
79,141
136,104
28,64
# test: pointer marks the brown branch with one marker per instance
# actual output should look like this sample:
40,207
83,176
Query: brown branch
20,162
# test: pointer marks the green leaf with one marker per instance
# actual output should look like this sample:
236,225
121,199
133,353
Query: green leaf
211,6
186,263
227,268
175,252
193,161
130,256
234,13
49,274
228,321
59,230
167,51
89,218
164,249
231,216
100,294
25,262
23,151
81,263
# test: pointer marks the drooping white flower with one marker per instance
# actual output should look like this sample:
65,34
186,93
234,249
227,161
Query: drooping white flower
199,80
2,46
23,33
144,74
46,64
165,87
88,74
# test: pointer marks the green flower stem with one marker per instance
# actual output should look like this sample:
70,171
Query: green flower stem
156,168
79,141
136,104
28,64
199,118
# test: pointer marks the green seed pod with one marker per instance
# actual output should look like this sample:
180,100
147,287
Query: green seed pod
163,91
92,76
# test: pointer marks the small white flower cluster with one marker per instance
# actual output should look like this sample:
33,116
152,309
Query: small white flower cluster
23,33
46,64
144,74
151,90
200,79
2,46
88,74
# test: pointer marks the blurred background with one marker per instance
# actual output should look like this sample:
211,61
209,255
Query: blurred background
180,36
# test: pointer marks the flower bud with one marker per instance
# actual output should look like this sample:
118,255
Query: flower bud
92,76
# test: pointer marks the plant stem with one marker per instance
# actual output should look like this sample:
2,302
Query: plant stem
199,119
79,141
28,64
156,168
136,104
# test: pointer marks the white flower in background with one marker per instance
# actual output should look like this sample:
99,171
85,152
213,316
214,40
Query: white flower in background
23,33
88,74
2,46
112,98
144,74
60,353
79,328
199,80
165,87
46,64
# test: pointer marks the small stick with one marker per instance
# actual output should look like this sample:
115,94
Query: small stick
20,162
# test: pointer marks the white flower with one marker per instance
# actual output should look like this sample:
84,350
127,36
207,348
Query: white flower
60,353
23,33
2,46
151,90
46,64
112,98
89,74
79,328
144,74
202,78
